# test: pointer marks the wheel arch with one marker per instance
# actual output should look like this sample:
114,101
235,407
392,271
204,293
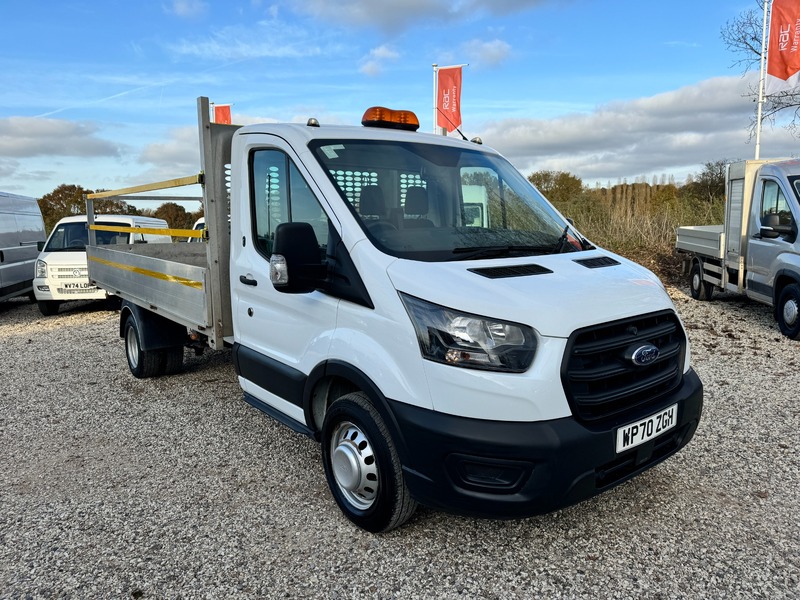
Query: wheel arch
783,277
333,379
155,332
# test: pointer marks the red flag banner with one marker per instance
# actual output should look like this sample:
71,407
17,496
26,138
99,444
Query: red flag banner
783,54
448,98
222,114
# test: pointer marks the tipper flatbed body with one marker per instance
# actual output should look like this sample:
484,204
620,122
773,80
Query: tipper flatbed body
184,283
414,304
755,251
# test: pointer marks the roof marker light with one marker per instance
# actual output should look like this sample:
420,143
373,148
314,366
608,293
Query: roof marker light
378,116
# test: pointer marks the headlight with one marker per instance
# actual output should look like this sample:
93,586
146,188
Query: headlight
41,269
464,340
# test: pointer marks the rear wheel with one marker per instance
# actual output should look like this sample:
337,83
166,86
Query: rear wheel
48,307
173,360
362,466
142,363
788,311
701,290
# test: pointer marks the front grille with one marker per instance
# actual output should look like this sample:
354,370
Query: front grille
69,272
601,380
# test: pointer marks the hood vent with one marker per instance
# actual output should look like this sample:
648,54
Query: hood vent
515,271
596,263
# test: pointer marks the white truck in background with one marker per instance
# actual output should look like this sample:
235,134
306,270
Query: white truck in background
61,272
755,252
21,229
457,347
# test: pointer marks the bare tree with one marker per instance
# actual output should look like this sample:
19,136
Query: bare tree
742,36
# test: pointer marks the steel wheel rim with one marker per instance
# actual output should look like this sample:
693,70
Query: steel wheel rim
353,465
132,347
696,282
790,312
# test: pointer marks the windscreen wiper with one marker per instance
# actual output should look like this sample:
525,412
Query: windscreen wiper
559,245
560,242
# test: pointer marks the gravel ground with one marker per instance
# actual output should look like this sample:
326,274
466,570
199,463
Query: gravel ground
112,487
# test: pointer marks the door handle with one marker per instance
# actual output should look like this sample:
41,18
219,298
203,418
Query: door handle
247,281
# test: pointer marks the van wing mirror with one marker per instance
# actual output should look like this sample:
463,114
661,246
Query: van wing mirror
40,245
296,266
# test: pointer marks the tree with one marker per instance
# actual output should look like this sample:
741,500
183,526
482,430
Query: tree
709,185
558,186
742,36
175,215
68,199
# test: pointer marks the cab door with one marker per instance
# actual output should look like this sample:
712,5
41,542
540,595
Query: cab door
279,337
774,209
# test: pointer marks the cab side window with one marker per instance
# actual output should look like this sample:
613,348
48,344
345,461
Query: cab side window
775,208
280,194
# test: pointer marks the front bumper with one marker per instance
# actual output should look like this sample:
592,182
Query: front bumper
502,469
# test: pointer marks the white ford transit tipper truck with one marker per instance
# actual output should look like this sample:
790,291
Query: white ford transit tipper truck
21,229
458,347
756,251
61,273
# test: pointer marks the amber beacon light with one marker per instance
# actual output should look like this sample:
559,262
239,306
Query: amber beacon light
378,116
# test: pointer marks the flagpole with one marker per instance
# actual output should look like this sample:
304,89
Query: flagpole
435,87
761,79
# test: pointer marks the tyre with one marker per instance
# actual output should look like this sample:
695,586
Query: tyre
142,363
173,360
362,466
48,307
701,290
788,311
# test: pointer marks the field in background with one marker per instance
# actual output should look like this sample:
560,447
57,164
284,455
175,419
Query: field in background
639,221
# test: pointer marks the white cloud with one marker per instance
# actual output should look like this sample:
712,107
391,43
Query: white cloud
374,62
34,136
181,151
489,54
187,9
270,39
674,132
397,15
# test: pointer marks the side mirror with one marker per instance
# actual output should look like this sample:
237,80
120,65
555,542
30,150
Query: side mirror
768,233
40,245
296,266
769,227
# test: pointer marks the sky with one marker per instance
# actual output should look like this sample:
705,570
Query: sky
102,94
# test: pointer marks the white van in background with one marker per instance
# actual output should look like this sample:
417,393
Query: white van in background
199,225
21,229
61,272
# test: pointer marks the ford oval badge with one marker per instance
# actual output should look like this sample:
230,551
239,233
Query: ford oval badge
644,355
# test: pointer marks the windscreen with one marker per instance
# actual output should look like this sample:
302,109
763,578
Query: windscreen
434,202
74,237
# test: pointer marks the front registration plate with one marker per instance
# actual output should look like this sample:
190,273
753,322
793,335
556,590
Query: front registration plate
646,429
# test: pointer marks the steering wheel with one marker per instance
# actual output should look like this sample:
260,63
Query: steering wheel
77,244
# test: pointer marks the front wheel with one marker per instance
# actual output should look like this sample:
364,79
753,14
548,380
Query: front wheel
48,307
788,311
362,466
701,290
